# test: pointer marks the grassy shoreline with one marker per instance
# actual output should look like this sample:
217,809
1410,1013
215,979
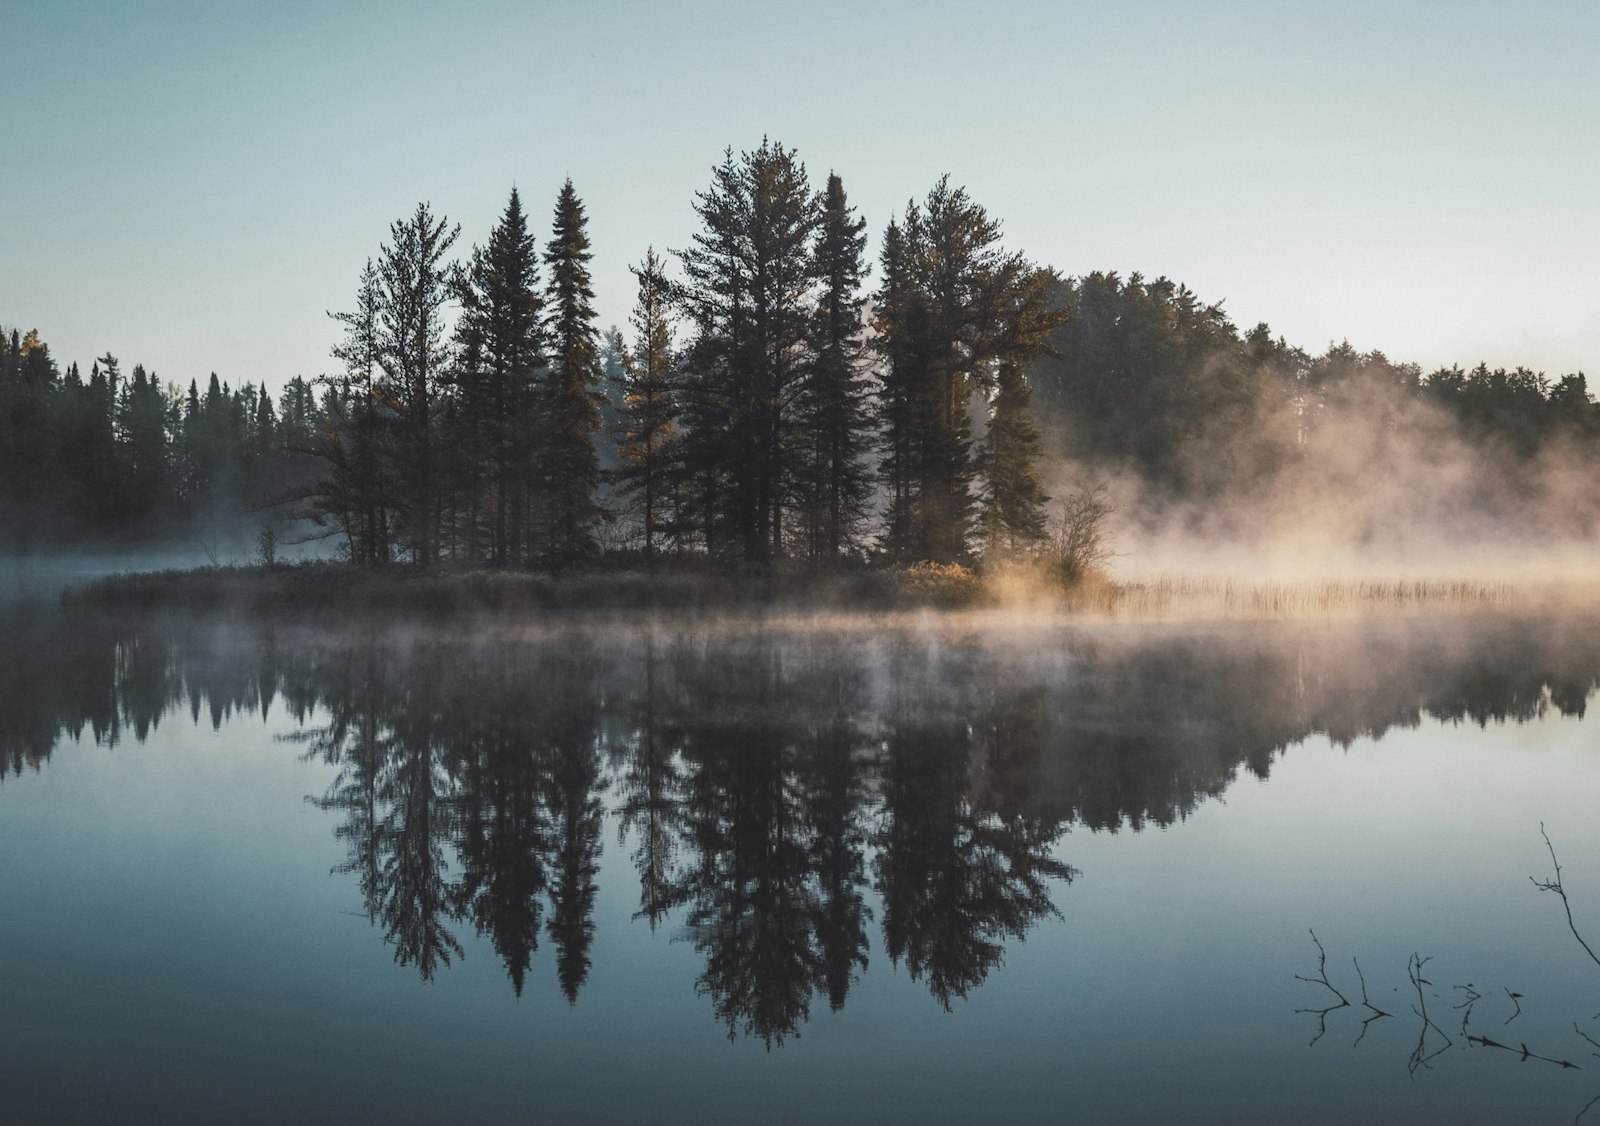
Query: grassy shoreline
313,588
342,588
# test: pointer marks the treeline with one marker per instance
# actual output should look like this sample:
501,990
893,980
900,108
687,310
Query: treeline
752,417
1144,378
120,458
768,405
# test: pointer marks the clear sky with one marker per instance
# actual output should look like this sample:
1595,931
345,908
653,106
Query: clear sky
192,185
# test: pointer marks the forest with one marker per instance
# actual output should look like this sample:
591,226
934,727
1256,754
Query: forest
777,399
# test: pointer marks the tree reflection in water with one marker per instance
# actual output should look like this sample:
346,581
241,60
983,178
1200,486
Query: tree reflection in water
776,792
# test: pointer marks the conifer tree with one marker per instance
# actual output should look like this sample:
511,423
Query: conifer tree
1014,499
142,421
647,422
833,403
358,493
749,282
502,340
416,282
570,404
897,317
613,353
955,310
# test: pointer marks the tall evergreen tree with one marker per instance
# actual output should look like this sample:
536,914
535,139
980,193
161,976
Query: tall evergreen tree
502,337
142,421
647,423
955,309
571,401
416,282
833,402
749,286
359,491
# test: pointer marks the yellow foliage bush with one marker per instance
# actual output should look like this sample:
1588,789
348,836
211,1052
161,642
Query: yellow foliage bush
941,584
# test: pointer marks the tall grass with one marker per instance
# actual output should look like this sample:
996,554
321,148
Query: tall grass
1236,597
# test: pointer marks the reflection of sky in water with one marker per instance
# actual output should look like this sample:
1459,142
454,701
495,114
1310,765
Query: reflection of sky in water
172,940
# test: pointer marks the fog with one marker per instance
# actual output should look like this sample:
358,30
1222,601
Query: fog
1375,482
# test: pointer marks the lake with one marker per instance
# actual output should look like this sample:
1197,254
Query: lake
798,871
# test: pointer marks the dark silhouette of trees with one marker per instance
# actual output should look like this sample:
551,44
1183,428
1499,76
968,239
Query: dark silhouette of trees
1013,517
569,410
646,427
835,478
953,308
501,334
767,412
748,275
356,496
415,284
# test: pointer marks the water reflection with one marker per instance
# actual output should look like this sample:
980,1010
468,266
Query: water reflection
789,801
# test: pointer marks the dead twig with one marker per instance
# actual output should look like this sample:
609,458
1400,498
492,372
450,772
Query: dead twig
1377,1013
1420,1056
1556,886
1322,980
1473,997
1593,1043
1522,1050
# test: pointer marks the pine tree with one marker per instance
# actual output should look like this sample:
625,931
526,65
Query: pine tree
898,314
358,493
416,282
571,400
501,336
956,309
750,281
141,417
833,402
647,420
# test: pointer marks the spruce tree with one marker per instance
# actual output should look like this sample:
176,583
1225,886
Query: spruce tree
570,404
502,341
833,403
141,417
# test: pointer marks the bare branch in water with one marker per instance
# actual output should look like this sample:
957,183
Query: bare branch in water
1473,997
1523,1051
1555,886
1377,1013
1420,1056
1322,980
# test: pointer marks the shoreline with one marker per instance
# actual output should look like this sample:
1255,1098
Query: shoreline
1016,597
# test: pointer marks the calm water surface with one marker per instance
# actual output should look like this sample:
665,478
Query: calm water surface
263,872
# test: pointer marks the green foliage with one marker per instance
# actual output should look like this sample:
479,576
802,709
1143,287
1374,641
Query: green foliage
647,420
833,479
953,309
748,277
569,403
500,361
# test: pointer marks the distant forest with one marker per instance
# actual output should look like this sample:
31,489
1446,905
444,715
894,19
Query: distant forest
767,406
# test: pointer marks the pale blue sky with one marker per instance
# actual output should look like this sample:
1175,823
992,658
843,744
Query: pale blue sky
191,185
